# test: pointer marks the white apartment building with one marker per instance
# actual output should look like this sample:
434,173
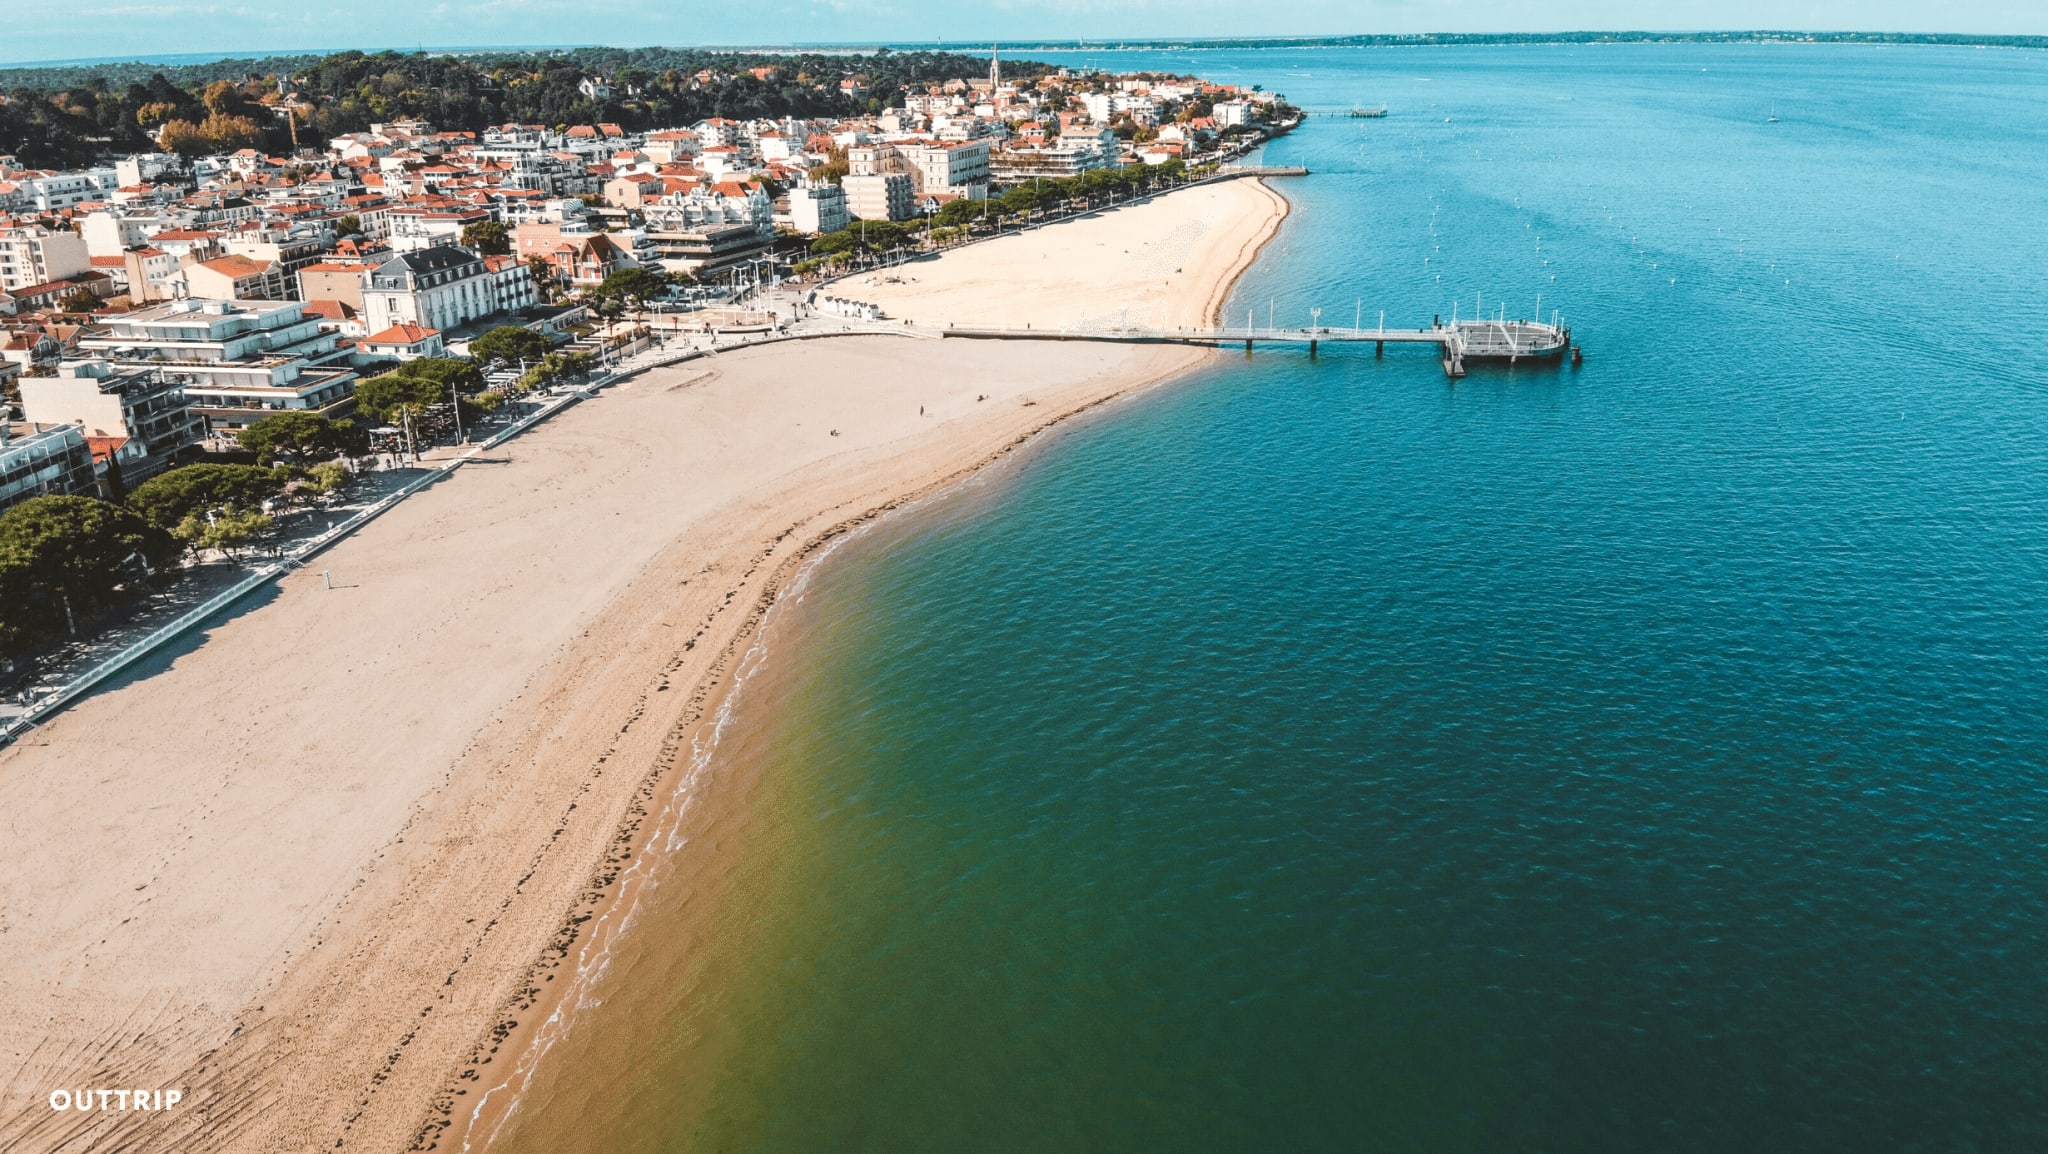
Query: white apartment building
61,190
110,233
709,226
880,196
52,461
136,402
1231,113
238,360
512,287
952,167
32,255
1070,155
1106,106
442,287
146,168
712,206
818,208
671,145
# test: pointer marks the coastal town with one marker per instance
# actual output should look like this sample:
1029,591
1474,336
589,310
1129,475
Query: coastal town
203,349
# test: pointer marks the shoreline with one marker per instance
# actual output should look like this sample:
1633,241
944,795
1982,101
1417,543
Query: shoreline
796,574
369,906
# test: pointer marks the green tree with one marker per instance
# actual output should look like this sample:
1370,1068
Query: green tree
487,237
65,558
325,477
545,281
509,345
556,368
445,372
167,499
302,436
638,285
959,212
380,398
349,225
225,530
81,301
419,384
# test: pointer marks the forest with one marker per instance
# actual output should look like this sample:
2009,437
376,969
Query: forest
73,116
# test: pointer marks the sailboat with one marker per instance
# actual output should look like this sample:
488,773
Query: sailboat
1773,118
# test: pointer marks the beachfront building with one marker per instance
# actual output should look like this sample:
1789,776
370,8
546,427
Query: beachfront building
818,208
951,168
43,462
441,287
880,196
1068,156
403,343
238,360
142,415
710,226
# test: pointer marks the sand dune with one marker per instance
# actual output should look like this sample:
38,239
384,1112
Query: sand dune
307,868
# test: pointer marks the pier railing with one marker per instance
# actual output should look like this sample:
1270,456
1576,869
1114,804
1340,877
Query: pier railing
1508,340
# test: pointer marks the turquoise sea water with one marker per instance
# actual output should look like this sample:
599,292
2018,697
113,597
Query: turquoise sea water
1319,755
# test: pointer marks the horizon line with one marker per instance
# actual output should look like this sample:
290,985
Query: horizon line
1064,44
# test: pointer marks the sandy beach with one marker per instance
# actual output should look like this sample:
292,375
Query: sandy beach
311,866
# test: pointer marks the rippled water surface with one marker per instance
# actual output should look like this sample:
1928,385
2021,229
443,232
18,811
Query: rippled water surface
1322,756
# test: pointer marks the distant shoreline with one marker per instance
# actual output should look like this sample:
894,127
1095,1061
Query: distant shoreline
19,72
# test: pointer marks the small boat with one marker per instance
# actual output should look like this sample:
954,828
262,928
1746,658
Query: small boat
1370,113
1773,117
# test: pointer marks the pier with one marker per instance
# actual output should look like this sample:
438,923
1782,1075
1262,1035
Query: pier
1230,171
1459,342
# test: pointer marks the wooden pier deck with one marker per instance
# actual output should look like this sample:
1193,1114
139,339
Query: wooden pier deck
1457,342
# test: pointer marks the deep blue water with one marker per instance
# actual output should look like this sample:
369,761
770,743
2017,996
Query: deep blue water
1321,755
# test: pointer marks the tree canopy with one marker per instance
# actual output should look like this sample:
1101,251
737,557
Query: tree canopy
509,345
75,114
634,283
418,384
168,499
302,436
488,238
80,301
65,558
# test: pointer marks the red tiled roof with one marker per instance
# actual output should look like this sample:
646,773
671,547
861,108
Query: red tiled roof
402,334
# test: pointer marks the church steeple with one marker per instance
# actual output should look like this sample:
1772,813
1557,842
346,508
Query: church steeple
995,71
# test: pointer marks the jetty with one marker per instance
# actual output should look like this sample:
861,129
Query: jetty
1231,171
1458,343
